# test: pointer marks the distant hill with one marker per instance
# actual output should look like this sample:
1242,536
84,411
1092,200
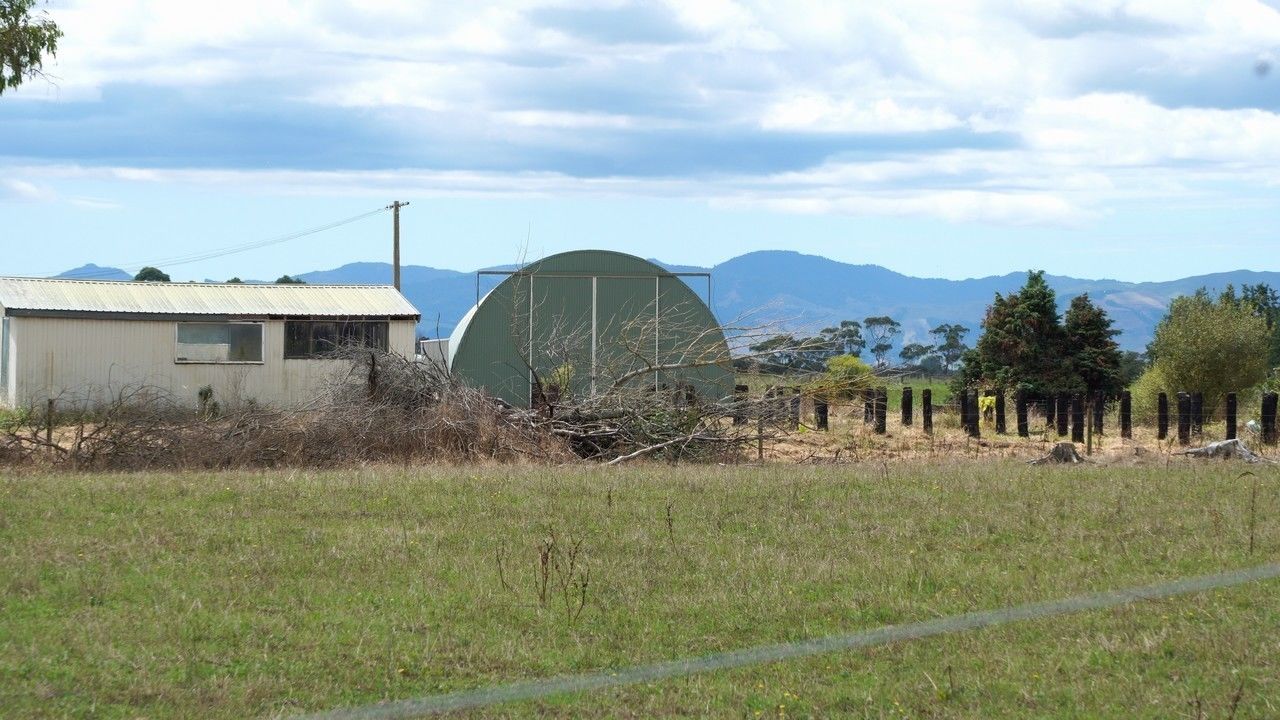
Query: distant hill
90,271
807,292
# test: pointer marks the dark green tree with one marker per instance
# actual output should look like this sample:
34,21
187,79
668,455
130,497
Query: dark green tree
287,280
1090,338
883,329
26,39
948,343
235,281
1132,365
1022,343
150,274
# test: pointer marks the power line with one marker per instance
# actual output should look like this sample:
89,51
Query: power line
224,251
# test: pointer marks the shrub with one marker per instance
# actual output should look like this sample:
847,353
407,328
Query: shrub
846,376
1210,347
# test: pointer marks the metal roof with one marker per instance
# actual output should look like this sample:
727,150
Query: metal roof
57,296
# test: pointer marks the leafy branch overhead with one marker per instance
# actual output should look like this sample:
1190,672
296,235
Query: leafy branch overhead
27,38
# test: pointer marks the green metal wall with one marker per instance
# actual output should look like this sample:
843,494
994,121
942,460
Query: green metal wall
544,313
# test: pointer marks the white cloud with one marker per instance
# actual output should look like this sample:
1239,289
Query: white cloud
23,191
1121,129
1053,93
822,113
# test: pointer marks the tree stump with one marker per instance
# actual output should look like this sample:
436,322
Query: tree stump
1061,453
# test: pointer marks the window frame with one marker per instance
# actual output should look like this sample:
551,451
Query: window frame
384,335
262,342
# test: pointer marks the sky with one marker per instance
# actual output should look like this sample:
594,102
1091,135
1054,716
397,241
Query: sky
1129,140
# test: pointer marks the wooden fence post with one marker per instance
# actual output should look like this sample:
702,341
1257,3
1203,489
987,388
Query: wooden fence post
1197,414
48,425
1020,412
794,409
820,419
1184,418
882,410
868,405
975,415
1126,415
963,400
1064,412
1269,401
926,410
906,405
740,399
1162,416
1001,426
1049,404
1077,418
1099,407
1231,416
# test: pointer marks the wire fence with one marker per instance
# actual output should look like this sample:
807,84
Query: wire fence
538,689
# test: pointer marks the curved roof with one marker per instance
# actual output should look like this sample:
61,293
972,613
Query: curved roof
573,312
57,296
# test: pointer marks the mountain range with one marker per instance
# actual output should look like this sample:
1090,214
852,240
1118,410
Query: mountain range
807,292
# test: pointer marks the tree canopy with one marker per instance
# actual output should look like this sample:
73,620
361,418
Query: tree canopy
1024,345
26,39
948,343
1209,346
1095,355
845,338
288,280
1264,302
150,274
791,353
883,329
915,352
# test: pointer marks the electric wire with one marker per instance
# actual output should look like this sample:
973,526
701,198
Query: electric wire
189,258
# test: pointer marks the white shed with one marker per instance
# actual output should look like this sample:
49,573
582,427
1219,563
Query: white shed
81,341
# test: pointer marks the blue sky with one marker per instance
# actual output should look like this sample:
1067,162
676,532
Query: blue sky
1134,140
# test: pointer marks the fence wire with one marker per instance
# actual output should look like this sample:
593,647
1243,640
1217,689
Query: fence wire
537,689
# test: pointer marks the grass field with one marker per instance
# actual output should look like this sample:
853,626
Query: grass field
270,594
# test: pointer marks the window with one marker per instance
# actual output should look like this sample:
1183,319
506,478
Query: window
317,338
219,342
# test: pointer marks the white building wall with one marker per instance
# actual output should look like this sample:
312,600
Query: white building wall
78,360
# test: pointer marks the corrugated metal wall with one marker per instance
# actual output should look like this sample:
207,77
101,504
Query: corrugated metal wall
76,360
592,316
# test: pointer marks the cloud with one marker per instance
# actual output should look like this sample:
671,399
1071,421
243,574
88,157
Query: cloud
1047,112
629,23
825,114
23,191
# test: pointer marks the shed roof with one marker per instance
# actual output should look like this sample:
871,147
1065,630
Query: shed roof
57,296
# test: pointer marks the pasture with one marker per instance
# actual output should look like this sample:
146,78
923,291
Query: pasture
244,594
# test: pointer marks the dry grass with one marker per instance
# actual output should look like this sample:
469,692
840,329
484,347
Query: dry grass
239,594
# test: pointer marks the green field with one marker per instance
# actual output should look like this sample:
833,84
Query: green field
270,594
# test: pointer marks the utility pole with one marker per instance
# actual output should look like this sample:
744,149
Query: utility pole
395,253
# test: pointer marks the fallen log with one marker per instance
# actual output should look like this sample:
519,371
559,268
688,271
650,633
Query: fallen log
1063,452
1226,450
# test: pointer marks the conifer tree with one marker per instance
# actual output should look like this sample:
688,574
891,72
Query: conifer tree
1095,355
